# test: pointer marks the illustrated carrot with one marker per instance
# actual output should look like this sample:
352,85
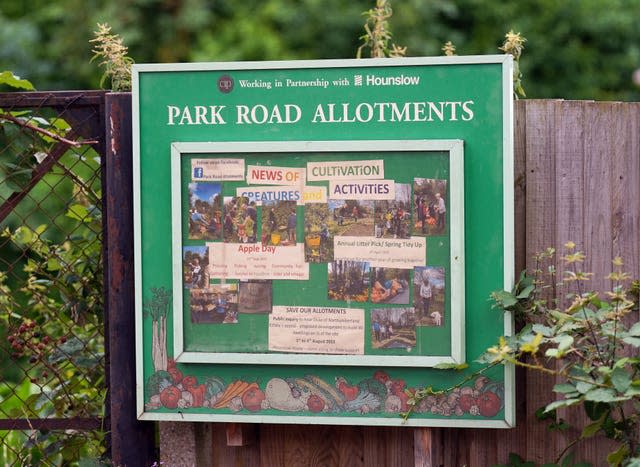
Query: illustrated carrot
235,389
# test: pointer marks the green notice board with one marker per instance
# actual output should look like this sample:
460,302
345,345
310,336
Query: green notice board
315,240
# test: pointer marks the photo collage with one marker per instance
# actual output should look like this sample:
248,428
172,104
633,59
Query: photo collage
397,298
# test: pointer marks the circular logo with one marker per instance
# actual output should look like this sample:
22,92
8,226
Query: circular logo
225,84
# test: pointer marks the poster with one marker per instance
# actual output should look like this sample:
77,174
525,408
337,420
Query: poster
359,256
317,240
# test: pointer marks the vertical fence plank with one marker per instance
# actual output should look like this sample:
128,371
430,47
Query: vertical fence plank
508,441
132,442
540,234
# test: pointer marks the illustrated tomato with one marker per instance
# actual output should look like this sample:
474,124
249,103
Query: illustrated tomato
349,392
252,399
397,387
489,404
381,376
176,375
170,396
189,382
466,401
315,403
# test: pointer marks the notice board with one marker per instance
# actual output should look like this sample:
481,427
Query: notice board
314,240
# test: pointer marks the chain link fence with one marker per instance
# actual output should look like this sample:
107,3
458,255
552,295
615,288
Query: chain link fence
53,386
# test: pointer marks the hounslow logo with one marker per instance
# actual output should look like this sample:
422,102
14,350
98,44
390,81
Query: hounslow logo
225,84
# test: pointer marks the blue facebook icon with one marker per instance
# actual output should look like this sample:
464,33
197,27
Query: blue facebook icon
198,172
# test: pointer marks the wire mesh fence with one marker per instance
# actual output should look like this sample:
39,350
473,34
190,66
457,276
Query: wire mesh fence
52,346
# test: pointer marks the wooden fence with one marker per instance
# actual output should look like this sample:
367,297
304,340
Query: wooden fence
577,177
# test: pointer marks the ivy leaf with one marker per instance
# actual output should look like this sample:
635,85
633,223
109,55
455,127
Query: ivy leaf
620,379
605,395
78,212
526,292
616,457
635,330
561,403
505,299
593,428
564,388
8,78
564,342
546,331
634,341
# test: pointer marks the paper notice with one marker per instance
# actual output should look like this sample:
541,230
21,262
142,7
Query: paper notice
345,170
381,252
260,194
247,261
267,175
362,189
205,170
321,330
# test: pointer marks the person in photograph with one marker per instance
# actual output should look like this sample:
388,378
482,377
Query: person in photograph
426,292
441,209
291,226
196,273
273,223
248,229
376,330
421,210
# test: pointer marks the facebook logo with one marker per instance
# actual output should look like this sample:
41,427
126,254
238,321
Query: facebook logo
198,172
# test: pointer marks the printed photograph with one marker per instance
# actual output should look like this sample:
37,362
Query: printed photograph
393,328
195,262
318,238
429,295
216,304
279,223
348,281
240,220
430,206
393,217
255,296
351,217
390,285
205,211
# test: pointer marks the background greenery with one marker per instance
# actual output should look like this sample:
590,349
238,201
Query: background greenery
575,49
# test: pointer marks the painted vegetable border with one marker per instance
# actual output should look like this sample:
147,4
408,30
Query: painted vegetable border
377,394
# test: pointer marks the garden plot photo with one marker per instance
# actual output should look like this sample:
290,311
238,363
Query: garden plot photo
351,218
318,237
348,281
393,217
430,206
390,285
205,211
279,223
216,304
429,295
240,218
195,262
393,328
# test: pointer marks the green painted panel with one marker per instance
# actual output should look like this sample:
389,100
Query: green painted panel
464,99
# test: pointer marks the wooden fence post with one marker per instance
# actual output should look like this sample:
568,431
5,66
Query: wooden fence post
132,442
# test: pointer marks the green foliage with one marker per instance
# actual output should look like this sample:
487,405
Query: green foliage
51,302
581,338
576,49
111,52
378,33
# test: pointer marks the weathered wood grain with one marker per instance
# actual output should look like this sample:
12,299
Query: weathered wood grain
577,177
